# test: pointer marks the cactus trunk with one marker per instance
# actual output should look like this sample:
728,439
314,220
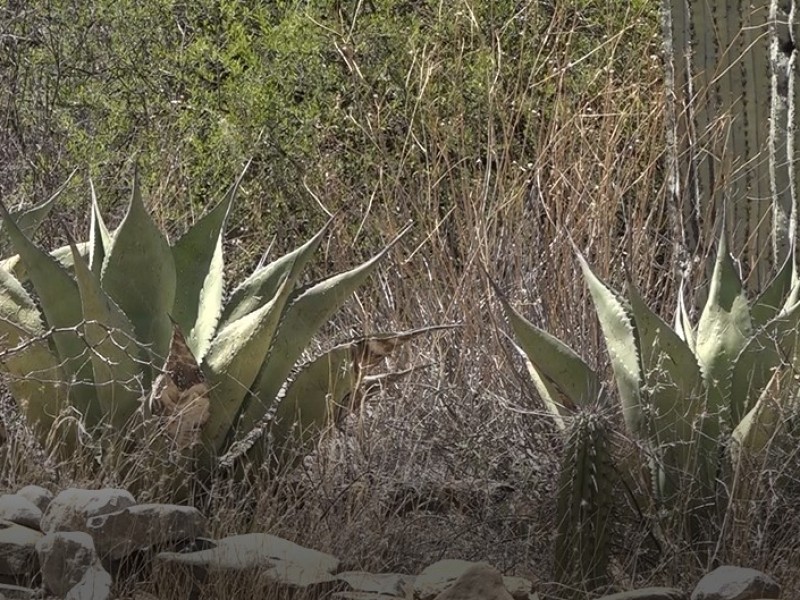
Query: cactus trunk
730,135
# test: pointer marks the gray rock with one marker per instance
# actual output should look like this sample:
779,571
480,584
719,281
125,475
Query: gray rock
40,496
651,593
119,533
65,557
736,583
15,592
95,585
18,509
17,548
385,584
70,509
279,560
477,582
441,575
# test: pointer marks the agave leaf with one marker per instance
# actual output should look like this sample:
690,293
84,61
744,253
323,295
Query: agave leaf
264,281
235,357
769,350
139,275
199,266
28,220
325,389
60,302
618,330
63,255
683,324
561,377
35,379
115,354
772,299
722,332
673,386
759,426
99,237
306,311
310,402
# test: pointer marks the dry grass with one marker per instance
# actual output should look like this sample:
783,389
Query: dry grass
566,155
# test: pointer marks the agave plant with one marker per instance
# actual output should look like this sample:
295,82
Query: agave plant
127,325
687,392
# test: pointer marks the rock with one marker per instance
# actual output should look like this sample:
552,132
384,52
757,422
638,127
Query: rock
441,575
736,583
280,561
36,494
68,561
651,593
70,509
94,585
17,548
384,584
119,533
20,510
478,582
15,592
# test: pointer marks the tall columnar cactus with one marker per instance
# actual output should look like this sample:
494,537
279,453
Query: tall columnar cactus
731,136
685,392
128,325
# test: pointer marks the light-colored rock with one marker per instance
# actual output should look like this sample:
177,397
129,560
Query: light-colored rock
18,509
383,584
736,583
40,496
651,593
118,534
17,548
281,561
95,585
65,558
15,592
478,582
70,509
441,575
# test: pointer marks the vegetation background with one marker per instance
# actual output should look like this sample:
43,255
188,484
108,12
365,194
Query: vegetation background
505,130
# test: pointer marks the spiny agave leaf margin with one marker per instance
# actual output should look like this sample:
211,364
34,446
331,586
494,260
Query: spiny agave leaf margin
683,324
561,377
60,302
764,354
235,357
29,219
100,239
139,275
310,401
200,272
306,311
771,300
35,379
722,332
618,329
264,281
16,266
676,400
115,362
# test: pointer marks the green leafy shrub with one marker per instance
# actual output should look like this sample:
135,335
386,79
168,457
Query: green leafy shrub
128,317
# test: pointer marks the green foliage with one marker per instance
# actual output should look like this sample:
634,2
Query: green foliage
118,338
